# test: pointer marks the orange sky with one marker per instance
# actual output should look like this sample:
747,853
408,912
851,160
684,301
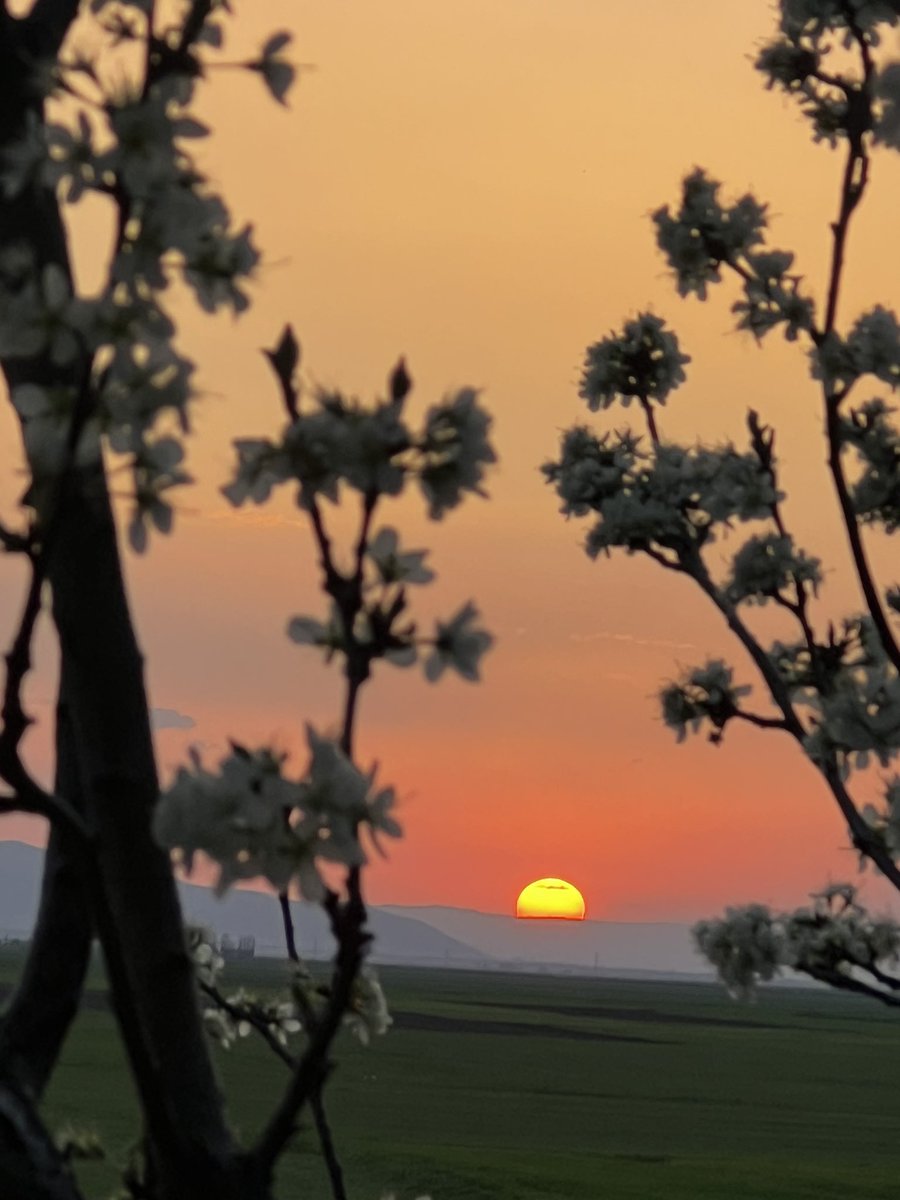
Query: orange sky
469,185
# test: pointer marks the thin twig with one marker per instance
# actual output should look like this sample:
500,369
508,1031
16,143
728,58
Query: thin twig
761,722
287,922
651,419
252,1015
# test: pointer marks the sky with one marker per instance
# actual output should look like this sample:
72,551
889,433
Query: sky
470,185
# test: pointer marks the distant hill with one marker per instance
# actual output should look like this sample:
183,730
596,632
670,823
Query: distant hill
605,945
426,935
398,938
241,912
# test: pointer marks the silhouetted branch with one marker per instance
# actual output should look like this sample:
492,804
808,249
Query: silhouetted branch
254,1016
314,1065
761,722
848,983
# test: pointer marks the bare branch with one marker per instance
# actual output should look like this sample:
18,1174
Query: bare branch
288,922
761,722
253,1016
315,1065
773,680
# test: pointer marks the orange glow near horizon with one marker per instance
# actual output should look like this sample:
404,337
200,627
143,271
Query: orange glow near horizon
550,900
470,185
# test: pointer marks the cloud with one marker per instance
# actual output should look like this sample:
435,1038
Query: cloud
628,637
170,718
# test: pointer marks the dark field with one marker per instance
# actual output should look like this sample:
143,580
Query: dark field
531,1088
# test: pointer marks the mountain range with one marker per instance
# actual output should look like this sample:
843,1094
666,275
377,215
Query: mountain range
403,934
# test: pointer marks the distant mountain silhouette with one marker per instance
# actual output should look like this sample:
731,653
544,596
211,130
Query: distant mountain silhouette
241,912
605,945
427,935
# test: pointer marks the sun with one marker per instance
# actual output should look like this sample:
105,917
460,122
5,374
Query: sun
550,899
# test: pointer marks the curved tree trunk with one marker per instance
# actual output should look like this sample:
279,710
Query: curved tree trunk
132,890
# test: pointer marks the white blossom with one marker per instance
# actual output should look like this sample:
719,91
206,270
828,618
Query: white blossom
887,89
644,361
704,234
706,693
308,631
277,73
368,1014
746,946
874,345
394,565
591,469
766,565
458,644
455,450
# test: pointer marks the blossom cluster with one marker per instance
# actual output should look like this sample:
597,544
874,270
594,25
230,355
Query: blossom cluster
834,937
873,434
745,946
704,694
380,630
872,347
672,499
852,102
371,449
128,140
766,565
642,361
856,703
254,821
368,1014
705,234
772,297
885,819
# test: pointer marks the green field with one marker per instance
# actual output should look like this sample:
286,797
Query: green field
528,1087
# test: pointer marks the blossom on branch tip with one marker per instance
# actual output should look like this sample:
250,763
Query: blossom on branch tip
459,644
277,73
746,946
643,361
368,1014
455,451
874,345
330,636
394,565
766,565
887,89
254,821
704,234
705,693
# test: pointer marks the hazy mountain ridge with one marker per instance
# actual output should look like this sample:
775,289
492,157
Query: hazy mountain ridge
430,934
607,945
239,913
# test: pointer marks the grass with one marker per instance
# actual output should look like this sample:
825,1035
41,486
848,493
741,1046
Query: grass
518,1087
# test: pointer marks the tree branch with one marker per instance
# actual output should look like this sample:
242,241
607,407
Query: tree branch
315,1066
848,983
761,722
774,682
854,536
252,1015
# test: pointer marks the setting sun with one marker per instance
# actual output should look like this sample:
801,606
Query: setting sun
550,899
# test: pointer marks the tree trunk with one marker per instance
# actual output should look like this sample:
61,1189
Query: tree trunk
133,895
